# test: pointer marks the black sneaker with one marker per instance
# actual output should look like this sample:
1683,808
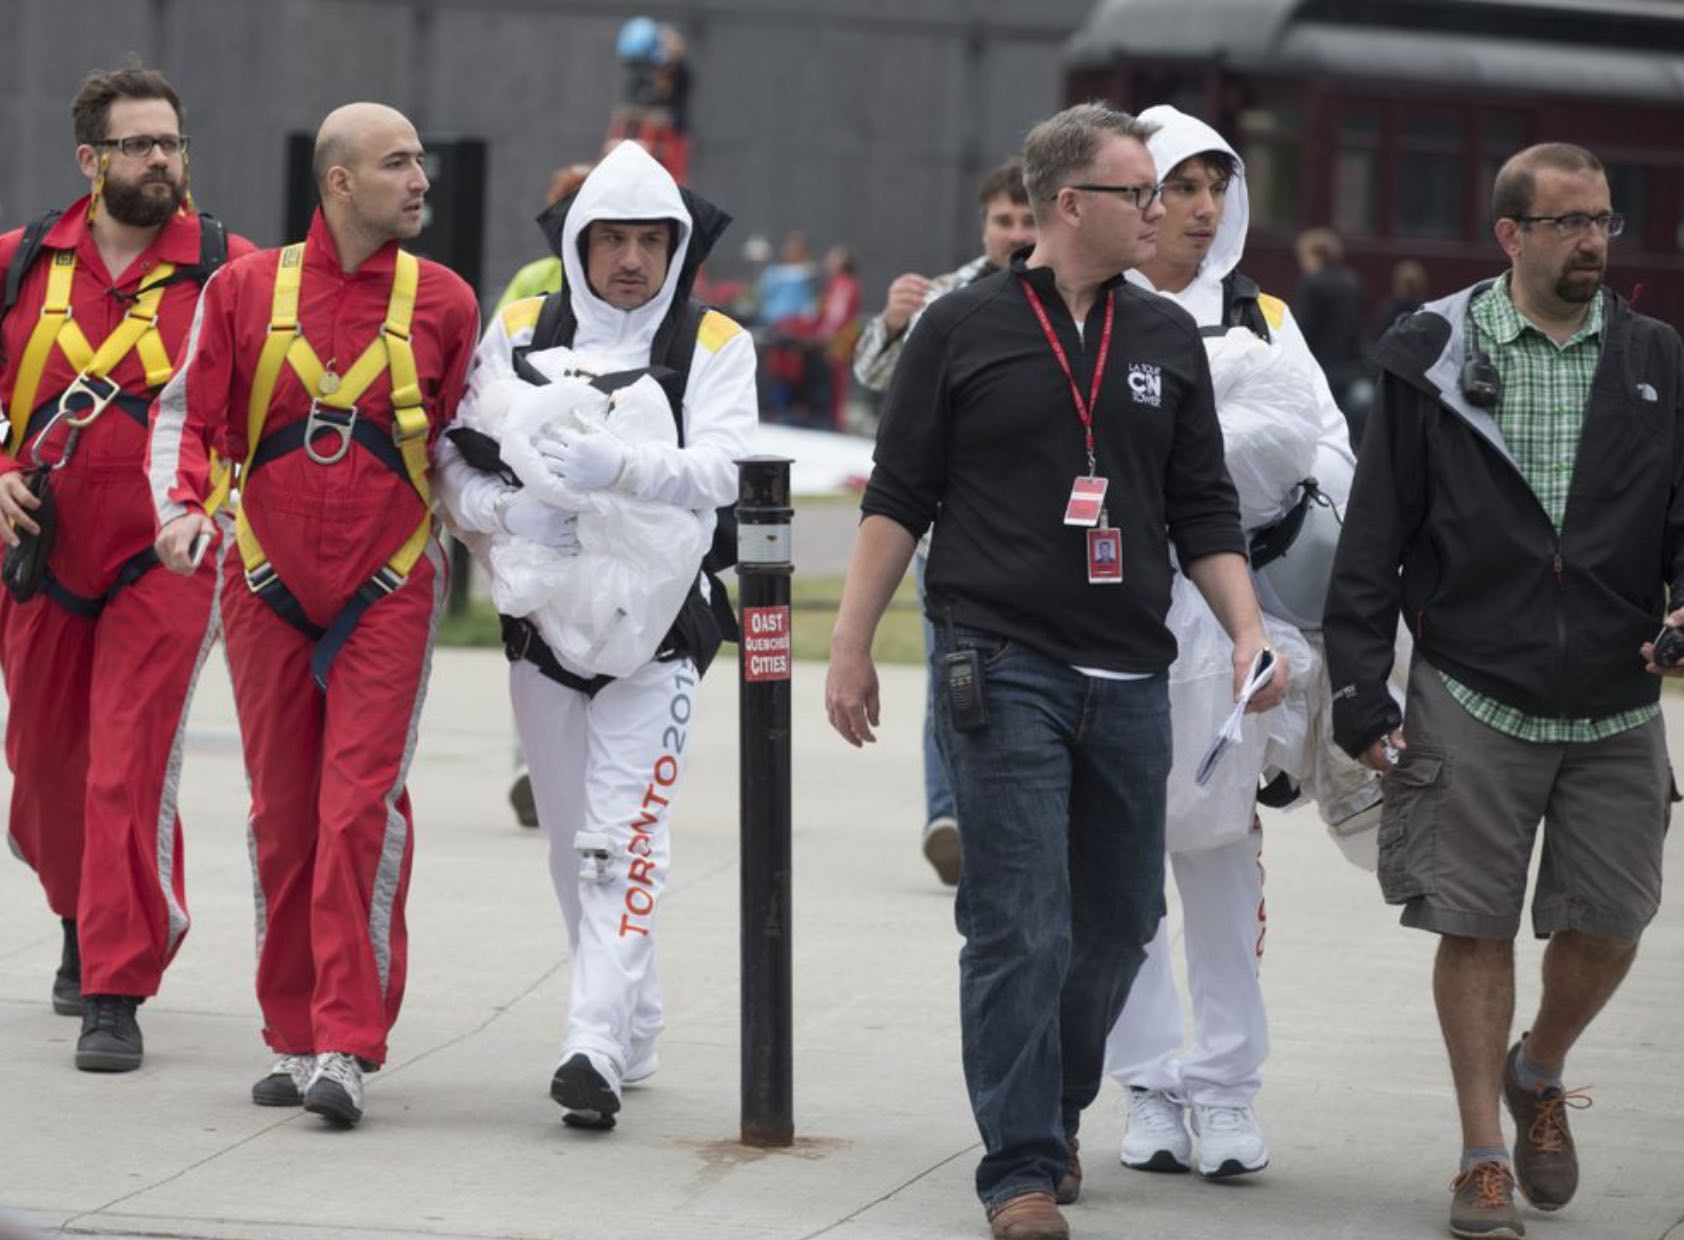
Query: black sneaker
67,982
587,1097
110,1040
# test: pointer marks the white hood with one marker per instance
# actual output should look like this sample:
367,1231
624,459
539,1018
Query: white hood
1180,136
627,185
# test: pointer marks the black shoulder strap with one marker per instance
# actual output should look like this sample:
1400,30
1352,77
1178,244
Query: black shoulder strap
1240,306
676,352
29,249
213,246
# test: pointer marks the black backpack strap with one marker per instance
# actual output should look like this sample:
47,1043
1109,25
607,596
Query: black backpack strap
213,246
1240,307
23,258
556,326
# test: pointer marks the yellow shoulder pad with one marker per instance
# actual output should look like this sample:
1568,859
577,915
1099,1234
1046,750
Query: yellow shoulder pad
521,315
1274,310
715,329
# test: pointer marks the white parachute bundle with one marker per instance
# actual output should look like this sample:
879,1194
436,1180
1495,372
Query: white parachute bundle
1201,695
605,609
1269,422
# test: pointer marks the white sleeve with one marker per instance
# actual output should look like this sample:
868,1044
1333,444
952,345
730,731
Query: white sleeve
721,411
1335,462
468,495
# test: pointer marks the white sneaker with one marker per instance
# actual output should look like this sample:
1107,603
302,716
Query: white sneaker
588,1089
1154,1134
287,1080
641,1062
1230,1142
336,1089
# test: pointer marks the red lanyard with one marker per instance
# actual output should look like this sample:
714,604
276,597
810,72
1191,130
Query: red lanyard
1084,409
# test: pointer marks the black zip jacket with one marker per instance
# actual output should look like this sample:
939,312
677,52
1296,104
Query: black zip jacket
1547,623
980,435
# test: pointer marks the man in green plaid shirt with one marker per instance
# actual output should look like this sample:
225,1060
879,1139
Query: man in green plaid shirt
1519,502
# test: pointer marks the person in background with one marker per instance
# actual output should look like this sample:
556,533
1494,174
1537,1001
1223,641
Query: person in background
1329,304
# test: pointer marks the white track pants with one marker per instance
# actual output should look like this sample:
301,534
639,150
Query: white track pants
609,764
1223,919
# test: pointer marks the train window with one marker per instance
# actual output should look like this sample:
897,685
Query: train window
1501,135
1429,176
1270,138
1356,171
1628,188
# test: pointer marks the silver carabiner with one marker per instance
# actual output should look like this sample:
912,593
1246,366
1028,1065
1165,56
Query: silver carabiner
341,422
69,440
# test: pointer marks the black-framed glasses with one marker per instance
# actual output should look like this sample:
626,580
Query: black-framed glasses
1576,223
1143,195
139,146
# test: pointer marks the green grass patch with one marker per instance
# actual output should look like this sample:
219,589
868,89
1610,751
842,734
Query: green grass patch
813,603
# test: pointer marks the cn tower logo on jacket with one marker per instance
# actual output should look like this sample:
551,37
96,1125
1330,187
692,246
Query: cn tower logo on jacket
1146,383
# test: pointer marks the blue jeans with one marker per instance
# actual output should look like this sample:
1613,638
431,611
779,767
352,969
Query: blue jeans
938,789
1061,889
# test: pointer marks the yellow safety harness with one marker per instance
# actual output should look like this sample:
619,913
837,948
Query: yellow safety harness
333,410
92,386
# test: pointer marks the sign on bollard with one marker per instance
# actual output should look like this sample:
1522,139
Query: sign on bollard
763,572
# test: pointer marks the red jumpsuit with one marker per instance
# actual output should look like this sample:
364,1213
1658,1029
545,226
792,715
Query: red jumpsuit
330,816
98,695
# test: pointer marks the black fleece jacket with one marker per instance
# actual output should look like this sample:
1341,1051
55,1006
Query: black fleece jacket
1443,527
980,435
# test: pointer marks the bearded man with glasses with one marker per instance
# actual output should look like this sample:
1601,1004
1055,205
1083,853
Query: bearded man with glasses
100,653
1519,500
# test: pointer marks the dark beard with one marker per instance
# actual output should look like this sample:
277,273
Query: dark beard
133,204
1577,294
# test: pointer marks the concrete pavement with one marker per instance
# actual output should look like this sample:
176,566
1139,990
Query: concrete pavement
462,1141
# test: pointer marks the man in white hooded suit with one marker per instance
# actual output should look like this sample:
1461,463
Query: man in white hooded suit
1273,402
607,755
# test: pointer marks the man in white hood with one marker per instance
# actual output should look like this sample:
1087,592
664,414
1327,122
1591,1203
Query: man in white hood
1217,865
607,755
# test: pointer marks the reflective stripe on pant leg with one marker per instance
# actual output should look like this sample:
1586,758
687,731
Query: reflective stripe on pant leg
149,647
640,742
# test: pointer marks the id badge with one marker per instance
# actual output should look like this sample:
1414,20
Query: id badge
1105,556
1087,500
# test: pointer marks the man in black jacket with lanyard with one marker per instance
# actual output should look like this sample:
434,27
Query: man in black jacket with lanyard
1058,426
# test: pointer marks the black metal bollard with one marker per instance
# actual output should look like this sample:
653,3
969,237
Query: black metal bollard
763,572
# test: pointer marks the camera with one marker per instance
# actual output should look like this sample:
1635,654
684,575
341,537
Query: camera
1669,647
1481,385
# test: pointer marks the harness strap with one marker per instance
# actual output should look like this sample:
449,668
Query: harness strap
138,332
132,570
333,408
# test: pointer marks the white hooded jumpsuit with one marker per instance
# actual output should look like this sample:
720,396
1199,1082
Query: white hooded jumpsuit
612,763
1221,887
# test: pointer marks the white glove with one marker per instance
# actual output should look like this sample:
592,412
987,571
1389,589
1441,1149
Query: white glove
524,515
584,460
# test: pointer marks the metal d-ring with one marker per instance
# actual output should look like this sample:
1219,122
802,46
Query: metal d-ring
341,422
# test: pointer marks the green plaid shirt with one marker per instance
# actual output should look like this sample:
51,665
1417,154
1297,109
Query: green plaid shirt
1546,387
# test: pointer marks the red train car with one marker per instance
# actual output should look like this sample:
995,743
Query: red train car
1388,119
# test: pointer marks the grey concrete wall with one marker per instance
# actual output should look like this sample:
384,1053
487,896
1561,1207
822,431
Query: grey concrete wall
865,122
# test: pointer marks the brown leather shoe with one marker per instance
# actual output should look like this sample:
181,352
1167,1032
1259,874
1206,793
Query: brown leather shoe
1070,1187
1546,1164
1482,1207
1028,1216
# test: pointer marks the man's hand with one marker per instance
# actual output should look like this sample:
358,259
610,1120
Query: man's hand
906,295
175,541
1383,753
525,515
584,460
850,694
1674,620
15,503
1270,695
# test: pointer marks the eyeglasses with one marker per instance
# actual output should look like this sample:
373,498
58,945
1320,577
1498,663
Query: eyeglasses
1575,223
1143,195
139,146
